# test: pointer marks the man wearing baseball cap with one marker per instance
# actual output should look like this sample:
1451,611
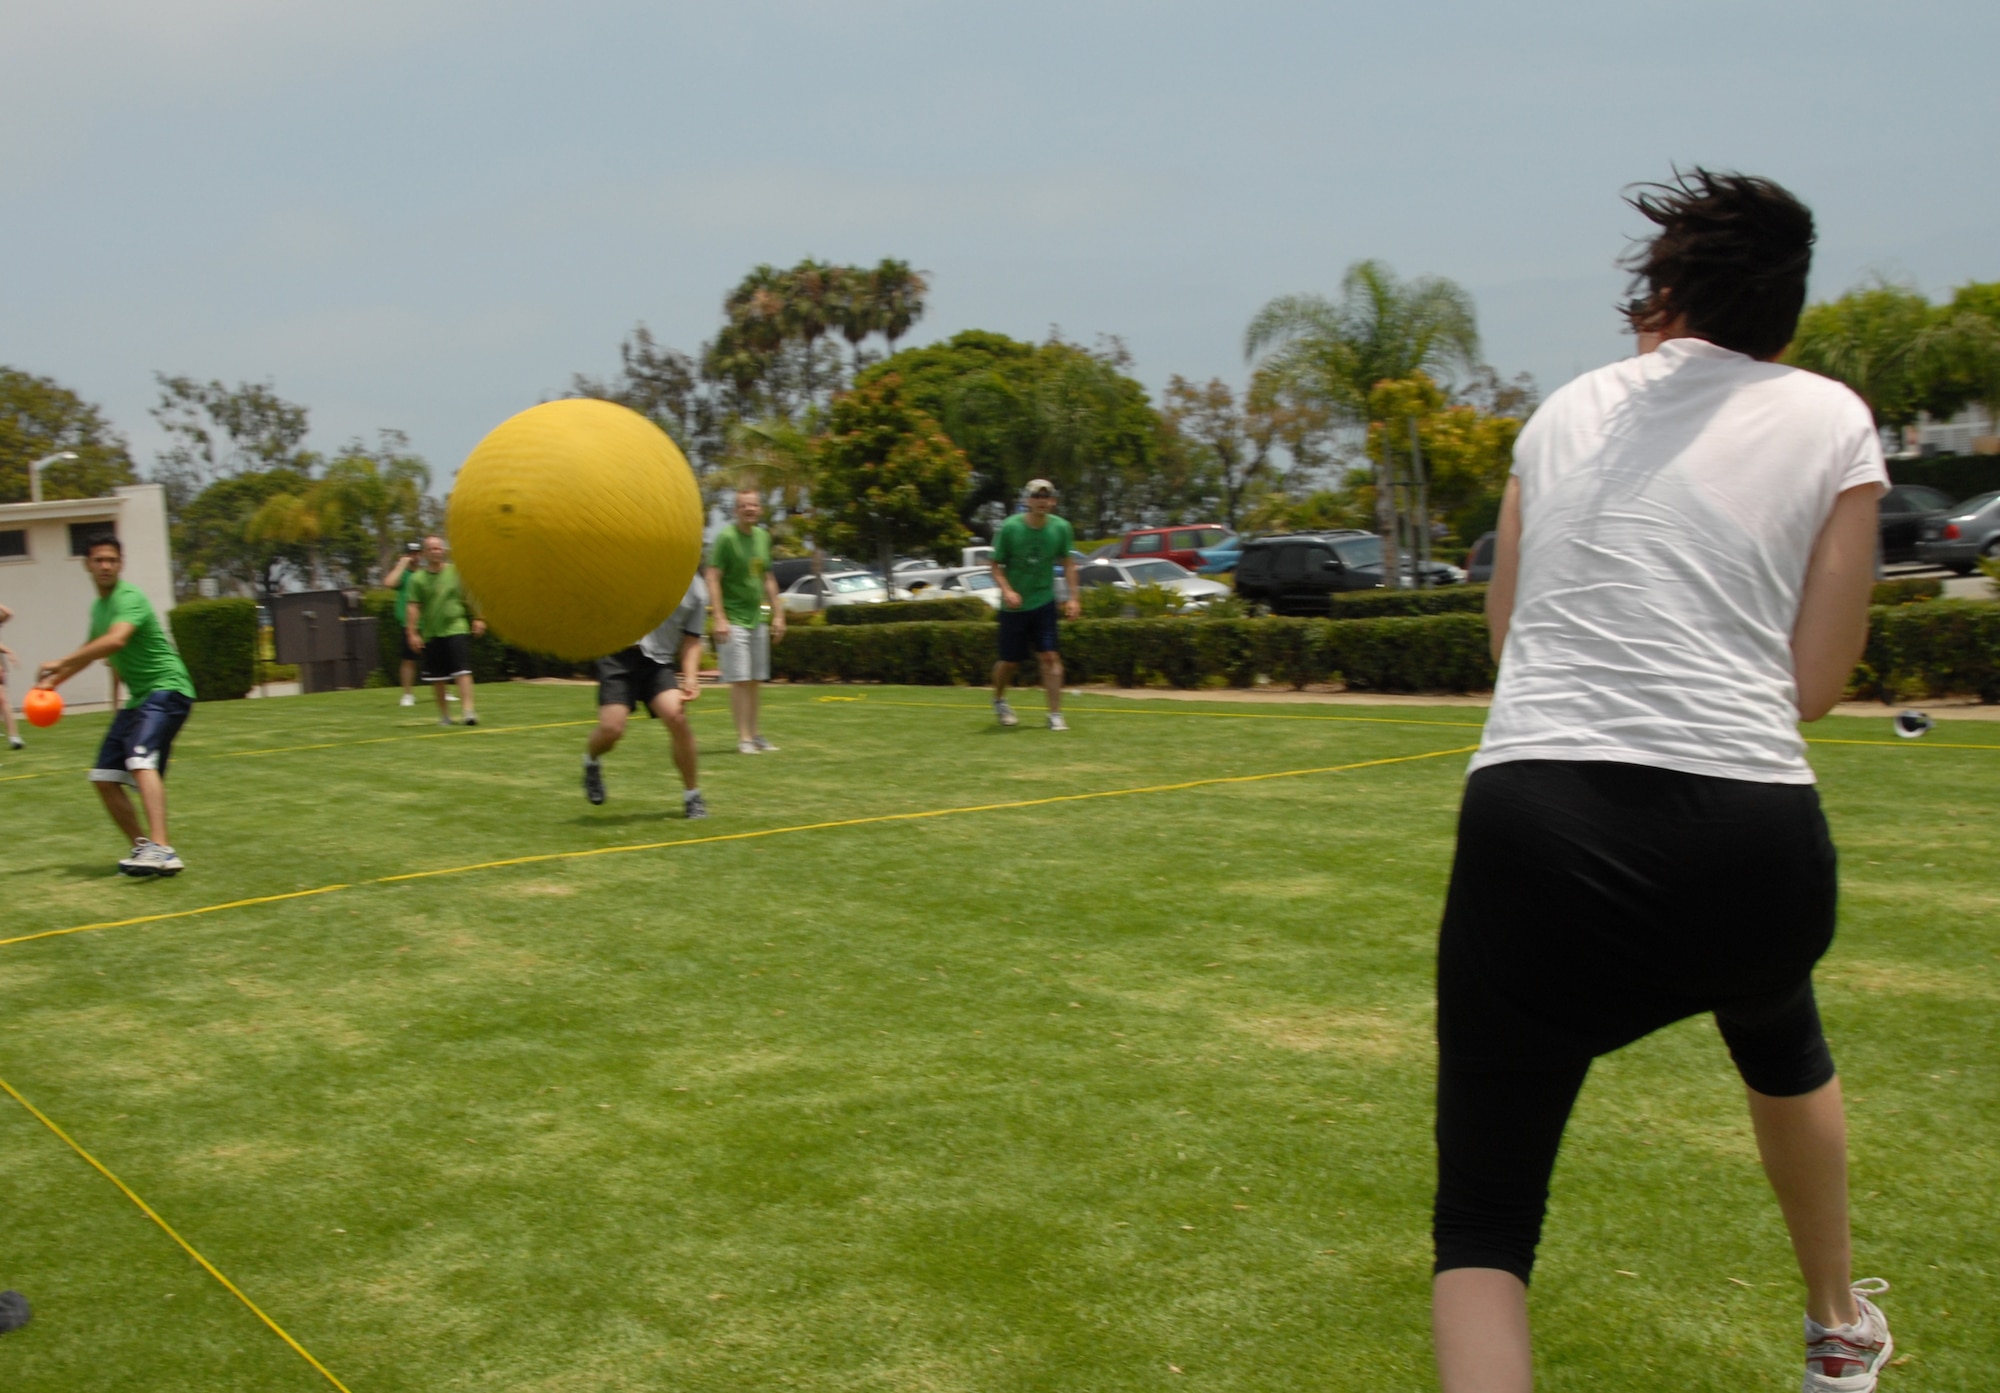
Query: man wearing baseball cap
1026,551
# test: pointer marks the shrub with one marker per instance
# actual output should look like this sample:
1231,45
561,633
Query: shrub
1381,604
218,642
1943,648
1907,591
1147,601
1425,653
946,607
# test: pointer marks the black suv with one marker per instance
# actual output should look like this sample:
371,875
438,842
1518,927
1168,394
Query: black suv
1298,572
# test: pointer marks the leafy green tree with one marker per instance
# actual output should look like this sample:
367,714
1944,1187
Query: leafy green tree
898,296
1238,443
369,502
1467,452
889,479
40,417
213,535
1330,354
1900,353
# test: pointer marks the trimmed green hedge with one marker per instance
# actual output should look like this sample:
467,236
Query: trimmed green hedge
218,642
1445,652
1961,476
1943,648
946,607
1904,592
1381,604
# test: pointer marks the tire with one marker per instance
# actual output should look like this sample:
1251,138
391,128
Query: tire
1959,568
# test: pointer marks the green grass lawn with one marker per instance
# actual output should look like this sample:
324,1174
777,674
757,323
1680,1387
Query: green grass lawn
1100,1094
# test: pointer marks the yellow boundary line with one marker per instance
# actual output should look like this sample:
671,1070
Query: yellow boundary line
874,819
459,733
168,1229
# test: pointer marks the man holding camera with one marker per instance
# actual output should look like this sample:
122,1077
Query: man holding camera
399,578
440,624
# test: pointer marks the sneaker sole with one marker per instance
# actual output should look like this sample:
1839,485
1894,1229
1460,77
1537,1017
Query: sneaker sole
137,872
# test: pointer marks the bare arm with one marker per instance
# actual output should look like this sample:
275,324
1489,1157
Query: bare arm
777,606
690,666
1506,569
1073,606
718,619
412,617
56,673
1832,627
1009,596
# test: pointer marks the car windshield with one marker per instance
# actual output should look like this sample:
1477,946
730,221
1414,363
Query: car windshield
1157,572
847,585
1973,505
1359,551
977,580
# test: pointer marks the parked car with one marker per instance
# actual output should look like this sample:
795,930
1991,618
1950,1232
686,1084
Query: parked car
1180,545
1479,561
1903,511
1300,572
787,571
976,581
1221,558
810,592
1957,537
1195,590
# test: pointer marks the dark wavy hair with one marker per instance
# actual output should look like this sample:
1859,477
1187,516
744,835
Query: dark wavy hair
1731,256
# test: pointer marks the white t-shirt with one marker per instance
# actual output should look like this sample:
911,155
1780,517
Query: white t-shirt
1669,507
663,644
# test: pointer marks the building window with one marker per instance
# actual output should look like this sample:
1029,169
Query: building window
13,543
80,534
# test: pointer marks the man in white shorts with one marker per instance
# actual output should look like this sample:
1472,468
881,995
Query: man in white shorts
740,587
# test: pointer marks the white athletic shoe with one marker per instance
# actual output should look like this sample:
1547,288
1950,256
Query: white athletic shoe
747,747
444,720
764,747
1056,722
408,700
1005,713
150,858
1847,1358
15,742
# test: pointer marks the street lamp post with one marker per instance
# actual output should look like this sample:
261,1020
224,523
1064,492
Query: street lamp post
35,473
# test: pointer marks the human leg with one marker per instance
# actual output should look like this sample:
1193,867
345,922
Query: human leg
409,675
671,709
743,710
609,731
119,804
1003,678
1052,679
153,797
1479,1328
7,716
1803,1143
464,680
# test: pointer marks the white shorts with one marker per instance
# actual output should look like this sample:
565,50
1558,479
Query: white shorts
746,654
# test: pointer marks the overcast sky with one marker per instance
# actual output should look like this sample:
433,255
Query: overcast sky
428,214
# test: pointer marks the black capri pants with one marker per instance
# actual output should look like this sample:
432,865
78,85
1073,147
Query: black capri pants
1591,904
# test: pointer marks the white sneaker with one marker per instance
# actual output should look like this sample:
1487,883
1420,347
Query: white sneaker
15,742
150,858
764,747
408,700
1847,1358
747,747
1056,722
1005,713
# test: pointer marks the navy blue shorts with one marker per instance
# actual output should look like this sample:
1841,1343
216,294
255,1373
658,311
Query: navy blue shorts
1023,631
141,737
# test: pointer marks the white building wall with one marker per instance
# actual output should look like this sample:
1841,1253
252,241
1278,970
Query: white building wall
51,593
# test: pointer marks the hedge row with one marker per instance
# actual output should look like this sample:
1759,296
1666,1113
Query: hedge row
1942,648
1431,653
947,607
1905,592
1381,604
492,659
1960,476
218,642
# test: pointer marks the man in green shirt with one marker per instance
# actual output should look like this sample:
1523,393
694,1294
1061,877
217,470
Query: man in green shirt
1026,551
126,633
399,578
439,622
740,587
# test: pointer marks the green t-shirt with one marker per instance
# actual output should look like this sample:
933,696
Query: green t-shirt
441,600
148,662
742,563
1031,555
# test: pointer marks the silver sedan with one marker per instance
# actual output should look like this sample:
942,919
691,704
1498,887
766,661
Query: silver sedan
1958,536
1196,590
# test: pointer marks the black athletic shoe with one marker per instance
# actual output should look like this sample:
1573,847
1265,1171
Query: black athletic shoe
694,805
593,782
13,1311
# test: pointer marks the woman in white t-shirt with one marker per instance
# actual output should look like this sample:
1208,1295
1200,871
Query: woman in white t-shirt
1682,575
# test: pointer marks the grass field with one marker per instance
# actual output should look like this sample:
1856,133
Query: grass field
1104,1093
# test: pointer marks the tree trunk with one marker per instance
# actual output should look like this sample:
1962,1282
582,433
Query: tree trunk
1385,516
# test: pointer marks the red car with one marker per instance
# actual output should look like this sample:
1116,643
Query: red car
1179,544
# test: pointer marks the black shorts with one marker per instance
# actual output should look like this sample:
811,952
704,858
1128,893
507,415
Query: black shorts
410,655
1027,630
630,679
141,737
447,656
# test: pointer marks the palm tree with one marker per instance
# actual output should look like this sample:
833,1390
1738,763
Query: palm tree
898,293
854,309
1333,353
810,292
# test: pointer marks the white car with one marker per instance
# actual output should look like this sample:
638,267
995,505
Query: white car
810,592
1168,575
976,581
